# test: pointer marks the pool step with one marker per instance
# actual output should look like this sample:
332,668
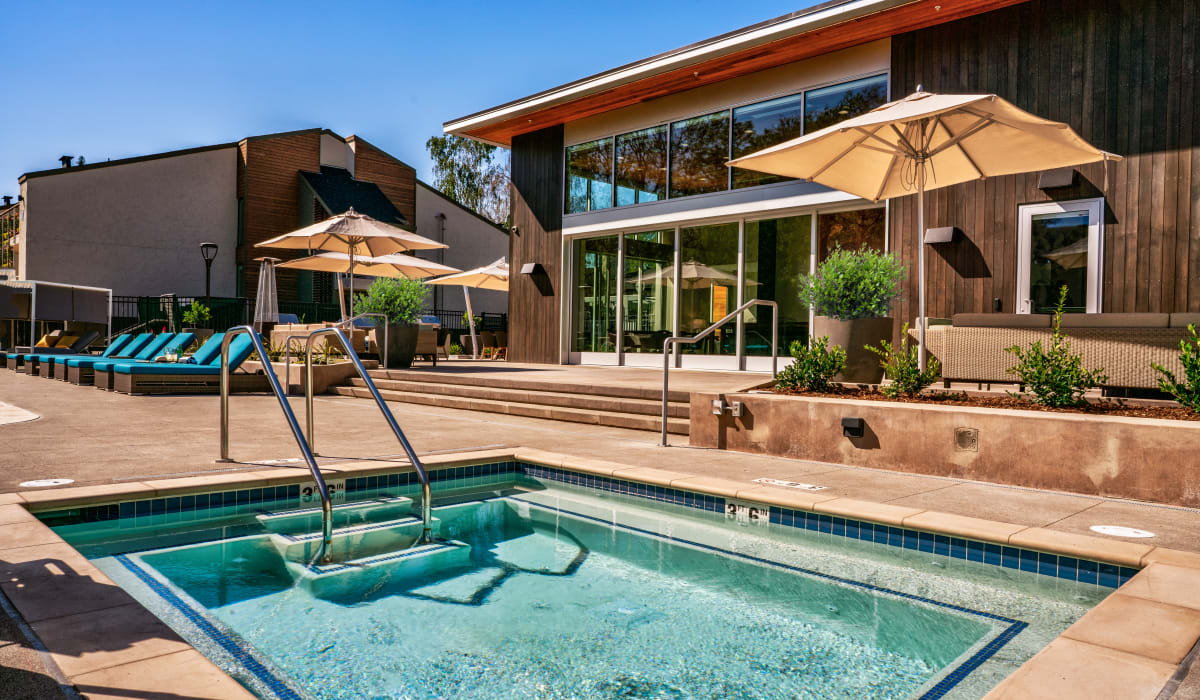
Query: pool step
353,542
345,515
366,575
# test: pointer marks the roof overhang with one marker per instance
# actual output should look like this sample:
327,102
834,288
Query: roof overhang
814,31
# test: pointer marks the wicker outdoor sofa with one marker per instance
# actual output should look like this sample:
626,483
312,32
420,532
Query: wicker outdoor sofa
971,347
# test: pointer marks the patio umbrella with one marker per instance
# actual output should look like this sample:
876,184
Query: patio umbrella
693,275
266,302
1070,256
494,277
921,142
356,235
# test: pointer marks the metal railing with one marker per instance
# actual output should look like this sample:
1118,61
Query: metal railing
384,326
325,553
426,496
705,333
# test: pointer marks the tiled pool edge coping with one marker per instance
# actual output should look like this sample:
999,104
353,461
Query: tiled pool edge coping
1113,660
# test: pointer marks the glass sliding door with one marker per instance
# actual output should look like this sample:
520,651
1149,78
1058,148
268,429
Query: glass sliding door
708,280
649,290
594,318
778,256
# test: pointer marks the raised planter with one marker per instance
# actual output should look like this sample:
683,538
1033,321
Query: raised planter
862,365
324,376
1138,458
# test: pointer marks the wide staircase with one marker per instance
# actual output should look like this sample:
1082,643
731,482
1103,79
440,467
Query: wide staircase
637,408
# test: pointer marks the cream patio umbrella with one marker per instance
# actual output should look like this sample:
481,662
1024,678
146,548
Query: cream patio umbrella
356,235
921,142
494,277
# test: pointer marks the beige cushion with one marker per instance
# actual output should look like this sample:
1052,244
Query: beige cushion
1114,320
1002,320
1183,320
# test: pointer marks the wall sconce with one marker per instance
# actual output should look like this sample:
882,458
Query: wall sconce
853,427
1060,177
945,234
719,407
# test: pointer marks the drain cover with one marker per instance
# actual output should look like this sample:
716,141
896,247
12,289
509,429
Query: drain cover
46,482
1120,531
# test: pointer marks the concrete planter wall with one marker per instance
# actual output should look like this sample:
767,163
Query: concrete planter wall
1138,458
324,376
862,365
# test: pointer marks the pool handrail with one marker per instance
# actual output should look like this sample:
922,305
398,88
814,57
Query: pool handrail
705,333
325,553
426,491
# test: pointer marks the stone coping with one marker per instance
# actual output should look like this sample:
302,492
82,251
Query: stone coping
1128,646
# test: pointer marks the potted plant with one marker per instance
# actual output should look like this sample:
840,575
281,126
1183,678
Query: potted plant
401,300
196,319
852,293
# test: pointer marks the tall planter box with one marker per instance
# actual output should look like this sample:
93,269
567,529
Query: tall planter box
862,365
402,345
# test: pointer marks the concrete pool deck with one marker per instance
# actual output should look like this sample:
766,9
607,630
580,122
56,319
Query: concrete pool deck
123,443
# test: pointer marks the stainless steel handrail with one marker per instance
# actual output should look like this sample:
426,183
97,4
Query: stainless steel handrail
287,357
325,553
426,498
705,333
384,325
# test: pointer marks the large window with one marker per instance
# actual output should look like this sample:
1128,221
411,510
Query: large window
850,230
688,156
649,298
760,126
829,105
589,176
699,149
708,279
778,256
596,279
642,166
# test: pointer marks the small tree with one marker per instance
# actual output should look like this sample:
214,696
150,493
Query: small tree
1187,392
852,284
197,315
1055,377
901,364
401,300
812,367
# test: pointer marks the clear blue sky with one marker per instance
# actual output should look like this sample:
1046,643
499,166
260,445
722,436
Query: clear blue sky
119,79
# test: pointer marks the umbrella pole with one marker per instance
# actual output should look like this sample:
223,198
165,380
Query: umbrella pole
341,292
352,280
920,270
471,320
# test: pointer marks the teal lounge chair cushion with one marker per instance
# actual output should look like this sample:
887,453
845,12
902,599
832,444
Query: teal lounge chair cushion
117,343
131,348
210,349
239,349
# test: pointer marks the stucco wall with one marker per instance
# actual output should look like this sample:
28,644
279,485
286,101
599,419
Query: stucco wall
473,242
135,228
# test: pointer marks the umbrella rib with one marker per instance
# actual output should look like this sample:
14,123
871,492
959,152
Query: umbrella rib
954,140
891,148
841,155
962,147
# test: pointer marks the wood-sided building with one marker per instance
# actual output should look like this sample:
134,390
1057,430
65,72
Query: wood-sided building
631,227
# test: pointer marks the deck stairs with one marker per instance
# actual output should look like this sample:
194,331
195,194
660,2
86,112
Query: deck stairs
637,408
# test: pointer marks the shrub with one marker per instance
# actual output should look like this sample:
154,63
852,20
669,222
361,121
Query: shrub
852,284
467,320
1055,377
401,300
902,366
456,349
196,315
813,366
1187,392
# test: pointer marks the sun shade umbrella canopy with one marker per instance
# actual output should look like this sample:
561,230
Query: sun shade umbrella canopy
356,235
394,265
494,277
693,275
921,142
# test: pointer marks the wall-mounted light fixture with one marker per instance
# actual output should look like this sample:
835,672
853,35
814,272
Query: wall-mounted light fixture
853,427
944,234
1060,177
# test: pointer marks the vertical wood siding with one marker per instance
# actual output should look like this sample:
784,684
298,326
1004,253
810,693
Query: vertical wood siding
1123,74
397,180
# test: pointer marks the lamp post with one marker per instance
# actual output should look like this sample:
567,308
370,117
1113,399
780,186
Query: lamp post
208,251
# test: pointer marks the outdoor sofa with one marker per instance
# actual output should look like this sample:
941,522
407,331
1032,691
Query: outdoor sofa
971,347
356,336
201,377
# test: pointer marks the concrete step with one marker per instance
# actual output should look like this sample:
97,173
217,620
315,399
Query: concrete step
608,404
676,426
565,387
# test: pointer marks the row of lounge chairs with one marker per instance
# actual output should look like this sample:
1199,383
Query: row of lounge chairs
136,365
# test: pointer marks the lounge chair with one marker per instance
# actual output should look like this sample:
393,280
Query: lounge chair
79,369
55,366
427,345
179,378
66,345
487,345
501,346
164,344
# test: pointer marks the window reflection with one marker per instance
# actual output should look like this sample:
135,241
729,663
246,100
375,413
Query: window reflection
589,176
829,105
642,166
649,290
777,257
595,312
708,279
761,125
699,149
850,230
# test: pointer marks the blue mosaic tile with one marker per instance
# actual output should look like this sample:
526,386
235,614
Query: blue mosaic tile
1010,558
958,548
1068,568
1110,575
1028,560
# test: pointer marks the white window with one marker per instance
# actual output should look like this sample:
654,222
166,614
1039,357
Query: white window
1060,244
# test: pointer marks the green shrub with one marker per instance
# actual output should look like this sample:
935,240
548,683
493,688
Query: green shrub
812,367
456,349
196,315
1055,377
902,366
852,284
401,300
1187,392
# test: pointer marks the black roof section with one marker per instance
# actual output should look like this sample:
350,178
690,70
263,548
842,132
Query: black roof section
338,191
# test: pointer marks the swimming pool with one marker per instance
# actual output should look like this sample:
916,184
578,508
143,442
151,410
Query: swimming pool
550,583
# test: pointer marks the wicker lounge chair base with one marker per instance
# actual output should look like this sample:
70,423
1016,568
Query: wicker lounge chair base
136,384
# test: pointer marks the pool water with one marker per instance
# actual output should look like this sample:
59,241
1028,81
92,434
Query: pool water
540,590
